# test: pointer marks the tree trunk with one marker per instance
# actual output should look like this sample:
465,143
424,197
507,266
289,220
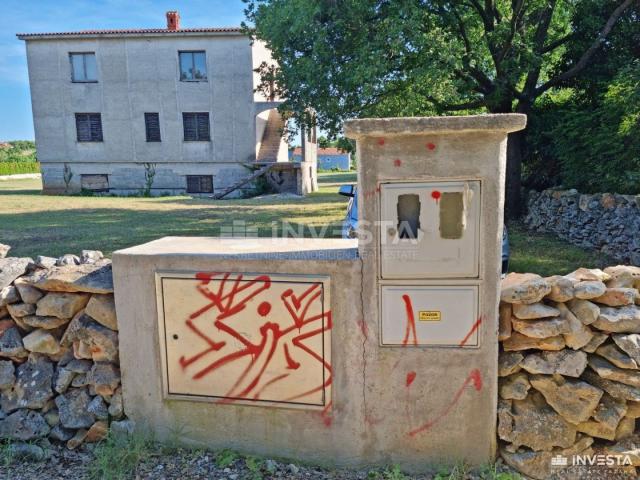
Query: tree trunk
513,197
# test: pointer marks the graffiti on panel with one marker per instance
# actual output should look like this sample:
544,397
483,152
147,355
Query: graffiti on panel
257,338
474,378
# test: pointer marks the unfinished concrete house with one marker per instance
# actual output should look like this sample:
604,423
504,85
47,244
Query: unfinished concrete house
164,110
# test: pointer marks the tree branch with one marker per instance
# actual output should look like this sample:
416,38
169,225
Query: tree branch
456,107
538,44
556,43
518,9
588,54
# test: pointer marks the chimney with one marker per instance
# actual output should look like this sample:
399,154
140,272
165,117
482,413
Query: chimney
173,20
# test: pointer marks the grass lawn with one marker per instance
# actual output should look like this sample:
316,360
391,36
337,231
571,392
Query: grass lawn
35,224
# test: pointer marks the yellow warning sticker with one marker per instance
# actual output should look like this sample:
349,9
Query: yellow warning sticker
429,315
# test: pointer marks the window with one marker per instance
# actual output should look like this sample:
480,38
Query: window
152,126
196,127
89,127
199,183
94,182
193,66
83,67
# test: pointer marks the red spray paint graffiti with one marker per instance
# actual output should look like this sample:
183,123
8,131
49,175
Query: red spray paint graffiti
431,146
474,378
411,322
436,195
397,162
281,344
475,326
411,376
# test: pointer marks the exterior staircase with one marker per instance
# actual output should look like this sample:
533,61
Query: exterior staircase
243,181
271,138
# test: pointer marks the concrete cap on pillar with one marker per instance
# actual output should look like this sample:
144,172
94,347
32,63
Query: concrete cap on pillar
503,122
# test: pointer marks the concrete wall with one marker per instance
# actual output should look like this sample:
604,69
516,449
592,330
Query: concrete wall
125,178
138,75
323,435
417,406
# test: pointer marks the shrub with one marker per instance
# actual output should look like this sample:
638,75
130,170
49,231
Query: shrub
14,168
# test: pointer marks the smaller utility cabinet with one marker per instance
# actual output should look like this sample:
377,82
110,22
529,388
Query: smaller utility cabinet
429,315
430,229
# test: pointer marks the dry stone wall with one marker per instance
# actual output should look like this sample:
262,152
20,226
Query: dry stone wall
59,368
569,371
603,221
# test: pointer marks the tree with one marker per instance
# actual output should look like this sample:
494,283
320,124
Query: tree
414,57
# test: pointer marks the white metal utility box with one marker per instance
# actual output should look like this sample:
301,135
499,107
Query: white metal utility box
430,229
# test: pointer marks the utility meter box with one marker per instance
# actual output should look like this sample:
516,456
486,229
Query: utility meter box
430,229
430,203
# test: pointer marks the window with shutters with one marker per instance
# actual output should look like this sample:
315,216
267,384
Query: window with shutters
83,67
193,66
196,126
89,127
199,183
152,126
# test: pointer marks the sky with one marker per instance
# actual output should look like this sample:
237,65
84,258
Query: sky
31,16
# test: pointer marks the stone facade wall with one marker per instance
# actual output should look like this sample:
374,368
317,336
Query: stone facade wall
603,221
569,372
59,366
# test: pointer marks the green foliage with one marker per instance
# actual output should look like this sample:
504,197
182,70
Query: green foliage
149,176
14,168
417,57
226,458
254,465
389,473
117,457
18,151
6,453
588,143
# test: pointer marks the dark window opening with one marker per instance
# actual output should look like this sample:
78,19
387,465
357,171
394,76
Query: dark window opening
196,127
89,127
199,183
408,216
193,66
152,126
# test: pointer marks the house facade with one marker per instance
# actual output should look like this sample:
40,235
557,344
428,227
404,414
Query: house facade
328,158
118,110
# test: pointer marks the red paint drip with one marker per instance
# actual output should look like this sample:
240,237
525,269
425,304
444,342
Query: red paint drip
436,195
381,141
431,146
397,162
411,376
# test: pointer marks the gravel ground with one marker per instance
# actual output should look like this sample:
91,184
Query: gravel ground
65,464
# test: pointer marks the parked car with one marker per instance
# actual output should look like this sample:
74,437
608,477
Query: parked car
350,223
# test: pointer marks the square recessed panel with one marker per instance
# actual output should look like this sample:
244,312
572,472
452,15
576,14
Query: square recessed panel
246,338
414,315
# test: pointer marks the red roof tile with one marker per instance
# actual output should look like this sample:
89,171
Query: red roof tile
132,31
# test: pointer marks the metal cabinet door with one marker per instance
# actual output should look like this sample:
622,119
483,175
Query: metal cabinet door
429,315
430,229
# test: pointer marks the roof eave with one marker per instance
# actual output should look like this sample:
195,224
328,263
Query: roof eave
80,35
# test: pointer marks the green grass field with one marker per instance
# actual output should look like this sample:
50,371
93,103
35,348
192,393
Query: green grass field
35,224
